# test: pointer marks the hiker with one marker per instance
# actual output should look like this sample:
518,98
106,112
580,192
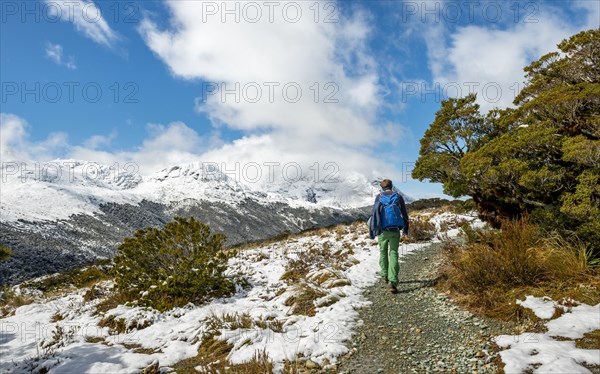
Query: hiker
388,222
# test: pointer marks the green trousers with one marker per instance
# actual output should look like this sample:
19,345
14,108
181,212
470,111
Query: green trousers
388,255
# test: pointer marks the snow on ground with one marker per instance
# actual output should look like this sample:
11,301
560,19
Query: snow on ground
542,307
553,351
34,338
449,223
31,338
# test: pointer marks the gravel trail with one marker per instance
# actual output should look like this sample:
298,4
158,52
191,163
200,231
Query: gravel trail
419,330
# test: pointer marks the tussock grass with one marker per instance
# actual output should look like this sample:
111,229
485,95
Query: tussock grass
213,353
315,258
421,230
115,325
494,268
5,253
302,300
113,300
590,340
10,300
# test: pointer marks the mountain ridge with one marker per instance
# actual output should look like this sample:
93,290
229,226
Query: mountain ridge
73,213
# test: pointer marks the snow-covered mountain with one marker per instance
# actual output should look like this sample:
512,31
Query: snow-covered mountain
62,188
68,212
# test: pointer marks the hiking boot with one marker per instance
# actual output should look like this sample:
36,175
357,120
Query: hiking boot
392,288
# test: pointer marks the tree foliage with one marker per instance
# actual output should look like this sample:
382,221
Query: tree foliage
541,158
5,253
181,263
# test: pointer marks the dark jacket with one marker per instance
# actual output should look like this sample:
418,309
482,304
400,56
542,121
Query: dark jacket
375,220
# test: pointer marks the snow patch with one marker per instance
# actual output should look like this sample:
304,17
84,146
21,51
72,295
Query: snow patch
540,352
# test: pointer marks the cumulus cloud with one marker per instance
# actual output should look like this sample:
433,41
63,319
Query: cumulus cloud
177,144
55,53
489,59
86,17
304,91
15,143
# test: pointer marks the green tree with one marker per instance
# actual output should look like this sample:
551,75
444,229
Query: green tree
5,253
173,266
458,128
543,157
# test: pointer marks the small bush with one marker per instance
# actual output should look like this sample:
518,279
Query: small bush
420,230
494,268
11,300
179,264
422,204
72,278
5,253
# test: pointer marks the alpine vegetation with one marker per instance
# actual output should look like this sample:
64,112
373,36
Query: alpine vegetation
179,264
541,158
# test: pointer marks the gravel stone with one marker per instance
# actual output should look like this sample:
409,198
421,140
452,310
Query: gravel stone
425,332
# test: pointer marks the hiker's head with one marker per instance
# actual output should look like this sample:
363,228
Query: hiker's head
386,184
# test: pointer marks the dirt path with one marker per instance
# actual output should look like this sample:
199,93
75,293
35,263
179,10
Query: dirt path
419,330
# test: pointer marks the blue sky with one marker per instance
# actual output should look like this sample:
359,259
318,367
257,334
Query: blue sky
111,81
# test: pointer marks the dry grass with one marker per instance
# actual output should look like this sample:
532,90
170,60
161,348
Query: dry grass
78,278
357,227
112,301
137,348
495,268
421,230
590,340
95,339
115,325
302,301
10,301
314,258
56,317
213,353
93,293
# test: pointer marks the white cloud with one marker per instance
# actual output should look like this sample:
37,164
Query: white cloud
491,58
176,144
86,17
55,53
327,61
16,145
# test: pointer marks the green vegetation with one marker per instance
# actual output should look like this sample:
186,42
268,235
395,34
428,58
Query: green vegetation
5,253
179,264
541,158
78,278
496,267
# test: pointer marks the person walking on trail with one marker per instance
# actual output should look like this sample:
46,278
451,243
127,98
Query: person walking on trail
389,220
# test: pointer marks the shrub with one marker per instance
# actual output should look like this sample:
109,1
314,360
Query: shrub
179,264
420,230
462,207
5,253
78,277
496,267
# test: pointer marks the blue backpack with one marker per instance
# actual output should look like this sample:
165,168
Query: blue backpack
391,217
